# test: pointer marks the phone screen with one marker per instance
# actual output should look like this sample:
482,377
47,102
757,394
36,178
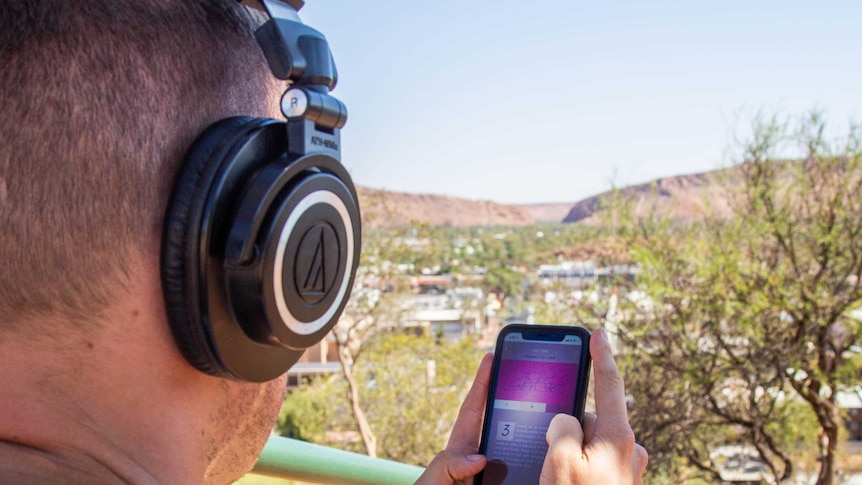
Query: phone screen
539,372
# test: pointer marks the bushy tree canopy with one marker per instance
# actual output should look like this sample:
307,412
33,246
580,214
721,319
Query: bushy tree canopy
750,334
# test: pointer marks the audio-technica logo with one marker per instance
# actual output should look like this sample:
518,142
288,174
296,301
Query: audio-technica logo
314,280
317,263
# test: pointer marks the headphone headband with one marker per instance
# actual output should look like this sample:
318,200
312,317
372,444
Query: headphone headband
299,54
258,4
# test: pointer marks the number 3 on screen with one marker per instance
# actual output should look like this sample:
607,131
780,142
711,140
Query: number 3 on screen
506,431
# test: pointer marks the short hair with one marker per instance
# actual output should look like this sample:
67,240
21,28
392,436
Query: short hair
100,100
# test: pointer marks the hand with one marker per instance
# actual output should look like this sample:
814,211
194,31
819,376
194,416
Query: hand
458,463
604,450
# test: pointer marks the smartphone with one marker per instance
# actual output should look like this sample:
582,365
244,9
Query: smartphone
539,371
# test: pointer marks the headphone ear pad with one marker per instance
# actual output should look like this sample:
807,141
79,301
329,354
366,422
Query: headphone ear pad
181,227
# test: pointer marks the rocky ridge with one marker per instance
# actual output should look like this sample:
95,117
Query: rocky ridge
684,197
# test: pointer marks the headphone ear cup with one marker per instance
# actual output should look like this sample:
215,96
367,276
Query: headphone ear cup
190,189
249,315
293,251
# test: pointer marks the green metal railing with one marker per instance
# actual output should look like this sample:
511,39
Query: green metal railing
307,462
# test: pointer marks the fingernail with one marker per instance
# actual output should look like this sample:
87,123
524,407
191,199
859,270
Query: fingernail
603,334
475,457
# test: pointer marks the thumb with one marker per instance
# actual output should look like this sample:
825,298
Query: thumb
448,468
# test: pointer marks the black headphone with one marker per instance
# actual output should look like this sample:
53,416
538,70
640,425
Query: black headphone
262,232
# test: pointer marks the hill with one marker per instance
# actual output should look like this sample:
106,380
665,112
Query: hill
683,197
382,208
550,212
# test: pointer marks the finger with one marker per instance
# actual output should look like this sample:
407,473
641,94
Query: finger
565,447
468,425
640,460
565,429
612,419
589,426
448,468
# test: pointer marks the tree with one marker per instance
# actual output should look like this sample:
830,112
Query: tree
504,281
375,307
412,386
313,409
751,312
372,308
416,384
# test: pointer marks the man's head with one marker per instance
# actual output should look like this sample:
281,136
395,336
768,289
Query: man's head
100,101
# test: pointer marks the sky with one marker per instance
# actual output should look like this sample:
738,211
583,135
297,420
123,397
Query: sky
556,100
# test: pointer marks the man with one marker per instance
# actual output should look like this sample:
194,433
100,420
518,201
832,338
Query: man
100,100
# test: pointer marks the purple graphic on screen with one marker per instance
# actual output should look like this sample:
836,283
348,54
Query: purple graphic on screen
542,382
